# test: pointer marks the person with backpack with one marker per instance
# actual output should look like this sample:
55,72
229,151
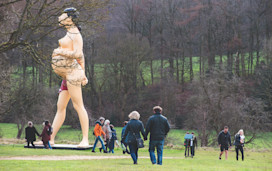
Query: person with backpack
239,142
113,139
46,134
158,127
187,140
224,140
98,132
132,133
30,134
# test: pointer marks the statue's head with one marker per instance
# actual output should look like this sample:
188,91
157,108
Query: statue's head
69,17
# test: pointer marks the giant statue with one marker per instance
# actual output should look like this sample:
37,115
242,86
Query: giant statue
68,63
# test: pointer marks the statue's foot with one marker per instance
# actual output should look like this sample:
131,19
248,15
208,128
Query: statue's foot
52,142
38,143
83,143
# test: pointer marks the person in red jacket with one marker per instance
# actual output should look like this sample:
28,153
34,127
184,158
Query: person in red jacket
98,132
46,134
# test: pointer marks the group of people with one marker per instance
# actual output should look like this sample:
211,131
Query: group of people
30,134
104,129
224,141
157,126
190,144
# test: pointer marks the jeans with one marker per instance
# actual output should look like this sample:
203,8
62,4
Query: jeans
98,138
159,146
49,145
192,150
134,152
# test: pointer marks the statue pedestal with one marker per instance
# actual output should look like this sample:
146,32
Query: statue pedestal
62,146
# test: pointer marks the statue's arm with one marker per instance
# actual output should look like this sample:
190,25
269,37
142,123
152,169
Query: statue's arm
78,47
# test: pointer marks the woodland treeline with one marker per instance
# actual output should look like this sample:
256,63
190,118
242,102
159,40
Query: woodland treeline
206,62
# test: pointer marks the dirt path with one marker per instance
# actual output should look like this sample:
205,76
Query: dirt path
72,157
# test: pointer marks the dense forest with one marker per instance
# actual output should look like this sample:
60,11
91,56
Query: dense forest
208,63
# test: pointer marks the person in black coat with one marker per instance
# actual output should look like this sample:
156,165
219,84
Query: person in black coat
30,132
224,140
134,127
193,145
158,127
239,143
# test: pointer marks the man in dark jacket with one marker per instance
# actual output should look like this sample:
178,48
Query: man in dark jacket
30,132
158,127
224,140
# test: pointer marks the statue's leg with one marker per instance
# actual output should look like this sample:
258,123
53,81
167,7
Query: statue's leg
63,100
76,96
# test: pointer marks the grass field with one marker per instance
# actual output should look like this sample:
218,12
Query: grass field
256,158
206,159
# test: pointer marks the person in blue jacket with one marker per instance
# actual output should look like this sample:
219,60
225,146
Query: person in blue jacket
113,139
125,141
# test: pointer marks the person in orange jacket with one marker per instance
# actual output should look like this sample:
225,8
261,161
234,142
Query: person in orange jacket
98,132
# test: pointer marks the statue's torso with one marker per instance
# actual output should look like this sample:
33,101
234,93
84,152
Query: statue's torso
66,42
67,68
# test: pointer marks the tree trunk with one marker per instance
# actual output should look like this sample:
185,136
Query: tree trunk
243,65
183,68
20,127
237,64
191,64
171,66
177,69
151,71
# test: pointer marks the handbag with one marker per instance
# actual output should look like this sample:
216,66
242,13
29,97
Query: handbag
139,141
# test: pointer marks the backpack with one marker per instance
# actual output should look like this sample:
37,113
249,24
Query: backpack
114,137
187,139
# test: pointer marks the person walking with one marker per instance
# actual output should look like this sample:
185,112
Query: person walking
224,141
239,143
107,136
98,132
132,132
30,134
158,127
113,139
46,134
124,144
193,145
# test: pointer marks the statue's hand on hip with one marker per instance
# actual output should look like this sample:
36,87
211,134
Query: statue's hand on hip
85,81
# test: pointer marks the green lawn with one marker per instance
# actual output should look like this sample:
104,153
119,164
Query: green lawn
257,155
204,160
